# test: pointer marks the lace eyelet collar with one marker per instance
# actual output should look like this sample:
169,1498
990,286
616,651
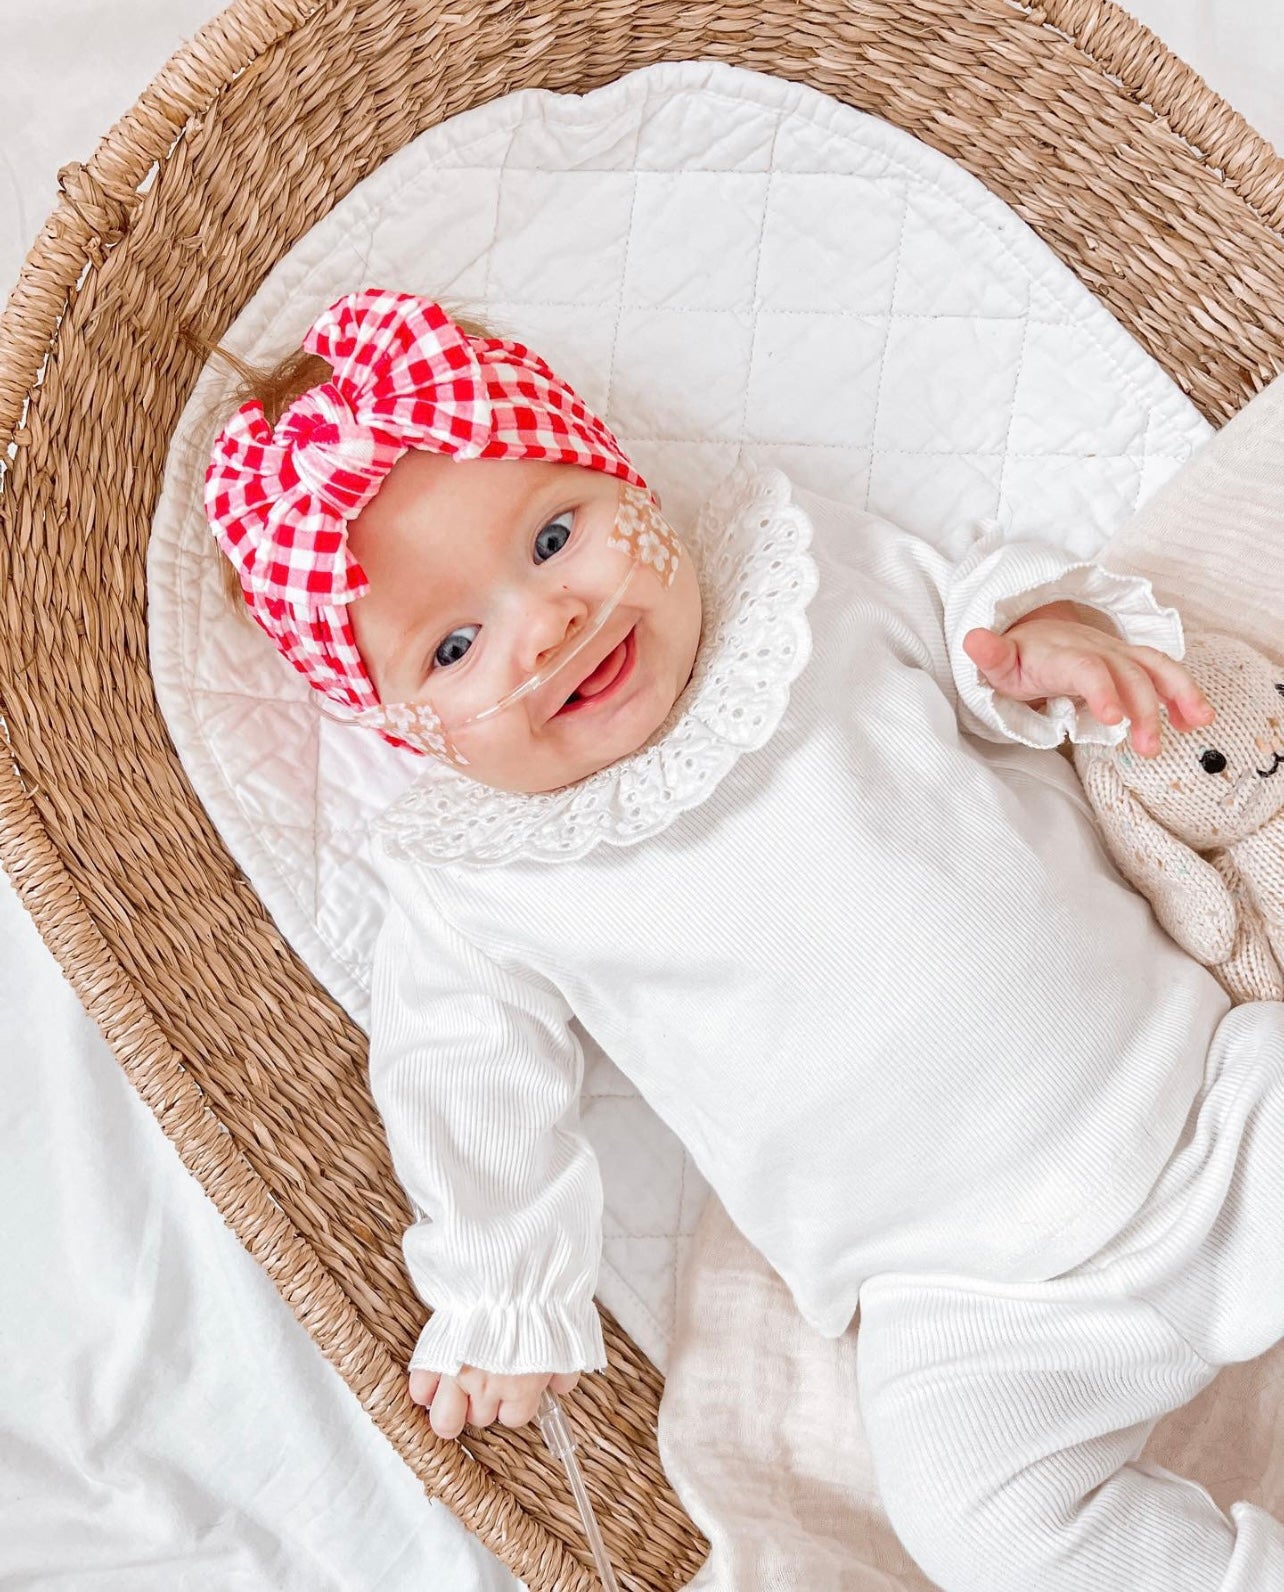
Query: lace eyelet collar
752,547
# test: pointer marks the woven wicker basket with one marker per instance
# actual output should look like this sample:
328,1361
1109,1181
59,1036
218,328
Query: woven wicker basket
1148,186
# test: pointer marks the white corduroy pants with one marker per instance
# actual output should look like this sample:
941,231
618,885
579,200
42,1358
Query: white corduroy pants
1006,1419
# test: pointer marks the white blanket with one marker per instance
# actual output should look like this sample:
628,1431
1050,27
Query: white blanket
165,1422
760,1431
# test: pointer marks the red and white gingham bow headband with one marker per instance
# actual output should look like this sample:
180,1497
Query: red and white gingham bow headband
404,376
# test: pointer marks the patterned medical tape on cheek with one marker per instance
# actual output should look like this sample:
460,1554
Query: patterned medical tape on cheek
418,725
642,531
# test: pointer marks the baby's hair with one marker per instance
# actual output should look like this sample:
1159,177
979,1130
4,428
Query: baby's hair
276,387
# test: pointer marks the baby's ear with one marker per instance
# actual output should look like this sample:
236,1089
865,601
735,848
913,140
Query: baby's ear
1188,895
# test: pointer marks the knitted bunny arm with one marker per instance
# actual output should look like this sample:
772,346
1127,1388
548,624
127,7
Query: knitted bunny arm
1188,895
1251,972
1260,859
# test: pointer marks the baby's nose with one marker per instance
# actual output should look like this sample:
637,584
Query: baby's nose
556,626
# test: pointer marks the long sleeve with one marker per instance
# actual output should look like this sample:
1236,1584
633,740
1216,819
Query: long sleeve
997,580
477,1076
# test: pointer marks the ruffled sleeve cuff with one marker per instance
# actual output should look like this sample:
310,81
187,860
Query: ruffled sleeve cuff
996,584
512,1337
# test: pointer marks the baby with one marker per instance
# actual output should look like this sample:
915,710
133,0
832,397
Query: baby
768,809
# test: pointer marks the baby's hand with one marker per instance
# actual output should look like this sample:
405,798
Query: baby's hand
476,1398
1051,652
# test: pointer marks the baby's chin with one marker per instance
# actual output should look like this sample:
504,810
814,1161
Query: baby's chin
555,776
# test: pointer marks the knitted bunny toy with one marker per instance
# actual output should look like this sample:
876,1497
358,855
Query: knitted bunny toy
1199,828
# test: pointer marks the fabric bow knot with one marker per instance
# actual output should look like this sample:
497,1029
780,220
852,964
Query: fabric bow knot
404,376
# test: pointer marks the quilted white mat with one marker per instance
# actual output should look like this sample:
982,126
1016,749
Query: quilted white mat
719,261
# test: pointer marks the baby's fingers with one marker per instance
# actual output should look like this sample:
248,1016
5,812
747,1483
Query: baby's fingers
1140,704
1114,689
1143,677
443,1398
1095,682
449,1408
423,1384
995,655
1187,705
523,1406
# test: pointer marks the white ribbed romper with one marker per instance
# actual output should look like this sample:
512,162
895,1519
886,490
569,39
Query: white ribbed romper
846,923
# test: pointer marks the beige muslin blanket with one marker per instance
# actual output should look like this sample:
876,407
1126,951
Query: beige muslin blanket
760,1431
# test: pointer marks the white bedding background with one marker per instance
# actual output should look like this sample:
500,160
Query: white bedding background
129,1456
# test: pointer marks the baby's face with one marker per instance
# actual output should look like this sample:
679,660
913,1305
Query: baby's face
462,563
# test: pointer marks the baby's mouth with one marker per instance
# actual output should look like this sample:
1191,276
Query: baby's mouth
601,681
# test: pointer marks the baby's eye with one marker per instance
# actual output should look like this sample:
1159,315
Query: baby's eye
455,646
554,537
551,539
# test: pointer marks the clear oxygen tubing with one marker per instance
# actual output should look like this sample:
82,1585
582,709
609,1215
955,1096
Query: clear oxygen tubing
418,723
571,648
557,1434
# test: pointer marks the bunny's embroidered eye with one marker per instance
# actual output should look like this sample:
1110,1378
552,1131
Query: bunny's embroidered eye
1212,761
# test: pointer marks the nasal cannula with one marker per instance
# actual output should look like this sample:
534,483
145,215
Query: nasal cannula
557,1434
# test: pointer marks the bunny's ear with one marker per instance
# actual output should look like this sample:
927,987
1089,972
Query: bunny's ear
1188,895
